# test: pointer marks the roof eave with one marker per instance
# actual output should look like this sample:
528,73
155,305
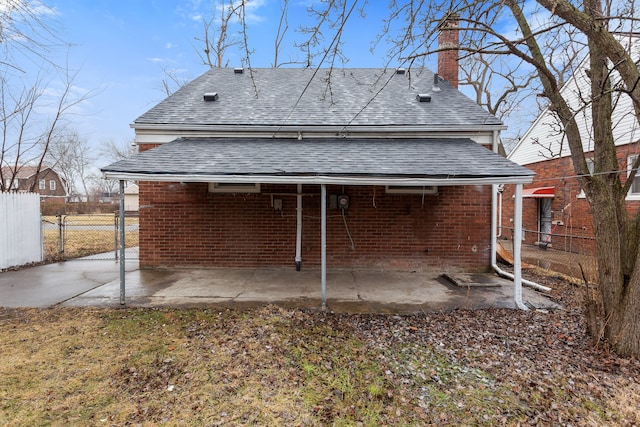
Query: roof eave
320,179
276,129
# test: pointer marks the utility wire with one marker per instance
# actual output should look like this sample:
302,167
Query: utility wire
317,69
614,172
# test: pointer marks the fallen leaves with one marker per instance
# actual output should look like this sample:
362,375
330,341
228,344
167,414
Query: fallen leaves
273,366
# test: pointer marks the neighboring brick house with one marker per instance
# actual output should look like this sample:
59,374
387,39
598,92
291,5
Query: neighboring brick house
47,181
555,210
234,168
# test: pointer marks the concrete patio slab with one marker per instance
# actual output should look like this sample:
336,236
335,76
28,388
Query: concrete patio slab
347,290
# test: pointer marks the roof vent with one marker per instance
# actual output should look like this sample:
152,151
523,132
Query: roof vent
423,97
211,96
400,70
436,80
238,70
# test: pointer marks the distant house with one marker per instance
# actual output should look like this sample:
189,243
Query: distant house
131,198
555,210
48,183
379,168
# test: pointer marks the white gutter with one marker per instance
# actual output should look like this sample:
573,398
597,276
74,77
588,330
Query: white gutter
316,179
335,130
494,234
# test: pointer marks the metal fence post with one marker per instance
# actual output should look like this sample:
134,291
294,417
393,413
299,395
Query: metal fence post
60,235
116,217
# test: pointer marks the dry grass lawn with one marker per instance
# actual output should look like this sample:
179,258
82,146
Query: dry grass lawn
273,366
85,235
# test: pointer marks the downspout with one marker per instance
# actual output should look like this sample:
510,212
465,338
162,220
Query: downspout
494,215
500,190
299,229
122,246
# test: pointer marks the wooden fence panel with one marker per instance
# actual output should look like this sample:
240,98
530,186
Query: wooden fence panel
20,229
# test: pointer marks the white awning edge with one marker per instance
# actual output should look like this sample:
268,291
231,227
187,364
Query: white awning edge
319,179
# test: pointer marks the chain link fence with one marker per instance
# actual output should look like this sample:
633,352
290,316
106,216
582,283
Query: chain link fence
94,237
561,253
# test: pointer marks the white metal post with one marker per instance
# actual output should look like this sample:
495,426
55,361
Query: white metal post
323,243
517,246
494,234
122,246
299,228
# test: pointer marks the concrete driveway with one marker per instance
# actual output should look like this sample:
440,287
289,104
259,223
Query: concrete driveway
52,284
96,283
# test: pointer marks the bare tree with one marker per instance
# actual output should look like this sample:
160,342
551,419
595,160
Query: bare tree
98,186
72,156
283,27
26,33
172,81
497,88
25,131
503,28
34,105
217,38
328,17
112,151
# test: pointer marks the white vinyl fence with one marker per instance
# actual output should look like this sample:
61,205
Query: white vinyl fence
20,229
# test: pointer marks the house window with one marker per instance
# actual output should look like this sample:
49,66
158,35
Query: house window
635,187
42,184
52,185
233,187
411,189
16,183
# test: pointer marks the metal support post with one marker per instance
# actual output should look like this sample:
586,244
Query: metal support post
122,246
517,246
323,243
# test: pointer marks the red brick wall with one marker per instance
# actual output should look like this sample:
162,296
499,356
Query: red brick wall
576,235
185,225
145,147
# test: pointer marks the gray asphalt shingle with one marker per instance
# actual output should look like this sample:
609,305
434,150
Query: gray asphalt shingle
417,158
341,97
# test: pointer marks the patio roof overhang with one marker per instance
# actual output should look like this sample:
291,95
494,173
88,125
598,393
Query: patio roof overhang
341,161
371,161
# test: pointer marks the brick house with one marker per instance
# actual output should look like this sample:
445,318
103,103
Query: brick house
47,181
555,210
371,168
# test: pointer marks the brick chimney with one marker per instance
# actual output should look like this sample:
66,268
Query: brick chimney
448,39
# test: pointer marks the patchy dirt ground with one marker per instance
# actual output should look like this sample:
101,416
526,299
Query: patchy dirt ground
274,366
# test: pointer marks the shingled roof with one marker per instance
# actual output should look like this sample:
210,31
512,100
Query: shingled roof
291,97
430,161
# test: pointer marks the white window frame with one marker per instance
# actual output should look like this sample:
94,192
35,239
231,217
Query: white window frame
42,184
234,187
52,185
631,195
411,189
